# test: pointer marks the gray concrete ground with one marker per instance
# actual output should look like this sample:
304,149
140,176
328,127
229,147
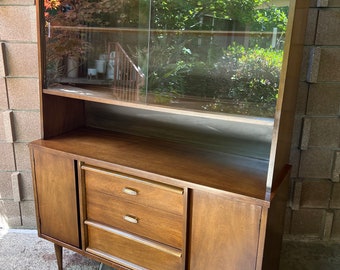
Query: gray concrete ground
24,250
310,255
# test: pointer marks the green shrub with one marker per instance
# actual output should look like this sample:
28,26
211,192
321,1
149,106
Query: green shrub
256,78
234,80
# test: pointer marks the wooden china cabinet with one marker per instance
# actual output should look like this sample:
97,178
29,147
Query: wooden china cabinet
130,170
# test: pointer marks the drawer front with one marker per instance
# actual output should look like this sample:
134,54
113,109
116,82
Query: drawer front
161,196
130,251
148,222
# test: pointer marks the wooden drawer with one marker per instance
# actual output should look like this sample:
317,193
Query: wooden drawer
130,251
145,221
140,191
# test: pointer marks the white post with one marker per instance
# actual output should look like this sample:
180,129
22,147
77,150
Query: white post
274,37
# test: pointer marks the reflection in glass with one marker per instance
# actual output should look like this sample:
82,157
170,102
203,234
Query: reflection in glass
211,56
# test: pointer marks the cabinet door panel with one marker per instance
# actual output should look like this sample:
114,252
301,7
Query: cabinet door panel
56,197
224,233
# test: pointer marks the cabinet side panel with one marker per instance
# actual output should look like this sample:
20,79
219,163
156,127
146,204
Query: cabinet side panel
224,233
275,226
56,197
61,115
289,84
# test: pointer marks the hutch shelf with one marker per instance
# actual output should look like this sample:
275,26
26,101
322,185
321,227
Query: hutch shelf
136,185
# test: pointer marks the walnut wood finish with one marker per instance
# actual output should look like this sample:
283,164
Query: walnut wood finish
56,193
166,162
289,85
148,222
221,221
59,255
275,223
136,190
132,251
60,115
224,233
137,206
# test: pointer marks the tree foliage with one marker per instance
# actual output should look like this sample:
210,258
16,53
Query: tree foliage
186,15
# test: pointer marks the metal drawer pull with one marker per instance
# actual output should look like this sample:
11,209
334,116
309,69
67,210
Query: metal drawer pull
131,219
130,191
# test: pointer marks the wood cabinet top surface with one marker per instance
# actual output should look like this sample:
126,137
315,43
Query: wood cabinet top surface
165,161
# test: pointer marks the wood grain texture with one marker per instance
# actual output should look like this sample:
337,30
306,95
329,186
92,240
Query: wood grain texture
161,160
61,115
131,251
275,223
55,186
163,197
224,233
59,255
157,225
289,84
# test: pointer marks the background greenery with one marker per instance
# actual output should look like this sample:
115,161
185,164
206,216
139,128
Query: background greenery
185,68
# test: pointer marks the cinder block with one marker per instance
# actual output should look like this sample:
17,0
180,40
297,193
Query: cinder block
6,185
22,156
335,200
16,183
313,64
7,117
288,218
328,31
333,3
313,3
322,3
316,163
335,234
325,132
22,59
296,194
296,135
3,60
26,186
17,2
308,222
294,160
311,26
324,99
329,67
26,125
2,129
305,133
3,94
18,23
23,93
10,214
329,217
305,63
28,215
7,162
315,193
336,167
301,99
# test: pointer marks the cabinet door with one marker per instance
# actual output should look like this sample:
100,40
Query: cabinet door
56,197
224,233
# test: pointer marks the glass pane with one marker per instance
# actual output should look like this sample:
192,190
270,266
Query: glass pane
219,56
93,45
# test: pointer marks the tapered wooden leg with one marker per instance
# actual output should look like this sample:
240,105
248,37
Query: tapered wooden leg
59,254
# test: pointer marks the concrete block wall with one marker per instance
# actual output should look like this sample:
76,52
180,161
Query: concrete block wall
313,211
19,111
314,207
